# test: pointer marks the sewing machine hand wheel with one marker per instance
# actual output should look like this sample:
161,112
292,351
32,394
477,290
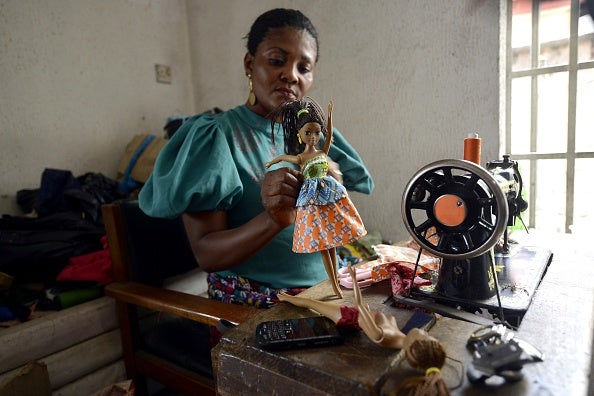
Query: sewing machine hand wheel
454,209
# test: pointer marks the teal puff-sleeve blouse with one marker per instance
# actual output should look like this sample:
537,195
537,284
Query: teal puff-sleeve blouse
216,162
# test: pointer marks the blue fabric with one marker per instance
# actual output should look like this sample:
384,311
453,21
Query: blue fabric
216,162
5,314
318,188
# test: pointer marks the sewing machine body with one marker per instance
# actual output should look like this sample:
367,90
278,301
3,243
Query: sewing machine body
460,212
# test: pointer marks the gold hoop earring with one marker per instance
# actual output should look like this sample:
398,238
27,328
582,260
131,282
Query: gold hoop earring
299,138
252,98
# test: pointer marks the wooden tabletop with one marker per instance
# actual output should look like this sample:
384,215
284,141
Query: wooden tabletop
559,323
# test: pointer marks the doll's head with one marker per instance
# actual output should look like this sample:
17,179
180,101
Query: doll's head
292,116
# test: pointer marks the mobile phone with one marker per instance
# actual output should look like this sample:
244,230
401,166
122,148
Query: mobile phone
298,333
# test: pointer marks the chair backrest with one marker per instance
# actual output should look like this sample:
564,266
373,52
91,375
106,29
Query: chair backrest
155,248
173,346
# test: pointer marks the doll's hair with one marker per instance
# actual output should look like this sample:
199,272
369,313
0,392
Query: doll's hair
275,19
293,116
428,356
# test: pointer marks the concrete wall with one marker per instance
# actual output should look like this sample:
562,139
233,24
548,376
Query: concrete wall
410,79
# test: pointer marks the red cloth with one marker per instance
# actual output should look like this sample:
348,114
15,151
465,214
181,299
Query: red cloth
95,267
349,318
400,278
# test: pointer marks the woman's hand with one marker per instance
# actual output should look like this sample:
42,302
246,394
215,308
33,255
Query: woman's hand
279,191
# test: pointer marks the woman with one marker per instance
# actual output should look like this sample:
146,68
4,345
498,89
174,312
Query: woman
238,217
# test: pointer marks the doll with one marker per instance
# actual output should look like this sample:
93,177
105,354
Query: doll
422,351
326,218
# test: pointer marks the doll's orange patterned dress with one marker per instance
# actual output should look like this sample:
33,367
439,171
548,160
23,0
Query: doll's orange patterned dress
326,217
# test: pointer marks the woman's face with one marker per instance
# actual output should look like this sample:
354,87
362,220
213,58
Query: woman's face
311,133
282,68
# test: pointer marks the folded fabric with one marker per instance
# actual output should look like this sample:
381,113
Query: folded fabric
400,279
95,266
403,258
363,271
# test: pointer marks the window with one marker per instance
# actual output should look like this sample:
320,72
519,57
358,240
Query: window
549,122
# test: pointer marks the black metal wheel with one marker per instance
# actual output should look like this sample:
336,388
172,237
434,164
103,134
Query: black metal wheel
454,209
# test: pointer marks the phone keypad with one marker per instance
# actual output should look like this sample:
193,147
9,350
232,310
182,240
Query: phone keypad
277,330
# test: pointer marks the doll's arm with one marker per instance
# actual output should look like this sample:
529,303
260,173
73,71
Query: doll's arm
330,130
329,310
294,159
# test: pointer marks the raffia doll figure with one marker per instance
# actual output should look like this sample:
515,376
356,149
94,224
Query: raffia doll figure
326,218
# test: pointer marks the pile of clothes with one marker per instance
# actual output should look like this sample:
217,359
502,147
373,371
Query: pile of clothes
55,255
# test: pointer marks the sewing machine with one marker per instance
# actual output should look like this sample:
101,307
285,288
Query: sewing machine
460,212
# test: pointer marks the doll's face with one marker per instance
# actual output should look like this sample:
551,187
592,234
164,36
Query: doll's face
311,133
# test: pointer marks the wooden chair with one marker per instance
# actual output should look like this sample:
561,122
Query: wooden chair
144,251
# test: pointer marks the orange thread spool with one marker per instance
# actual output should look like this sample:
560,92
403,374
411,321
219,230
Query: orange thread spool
472,148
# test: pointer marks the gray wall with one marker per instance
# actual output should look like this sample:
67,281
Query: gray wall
409,80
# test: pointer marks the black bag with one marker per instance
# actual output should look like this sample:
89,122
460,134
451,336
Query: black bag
60,192
95,191
54,184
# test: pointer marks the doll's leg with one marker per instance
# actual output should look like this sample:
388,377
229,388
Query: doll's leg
366,319
379,327
335,270
329,259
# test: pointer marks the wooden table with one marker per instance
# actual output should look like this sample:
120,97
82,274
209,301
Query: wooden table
559,323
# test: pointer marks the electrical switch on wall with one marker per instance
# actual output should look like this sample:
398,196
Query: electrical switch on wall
163,73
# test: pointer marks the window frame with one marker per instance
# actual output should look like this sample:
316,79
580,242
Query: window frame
572,68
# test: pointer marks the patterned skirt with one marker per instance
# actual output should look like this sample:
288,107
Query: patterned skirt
239,290
322,227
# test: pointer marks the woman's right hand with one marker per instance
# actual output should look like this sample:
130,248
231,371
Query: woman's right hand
279,191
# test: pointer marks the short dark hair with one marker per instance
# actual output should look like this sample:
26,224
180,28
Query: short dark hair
279,18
